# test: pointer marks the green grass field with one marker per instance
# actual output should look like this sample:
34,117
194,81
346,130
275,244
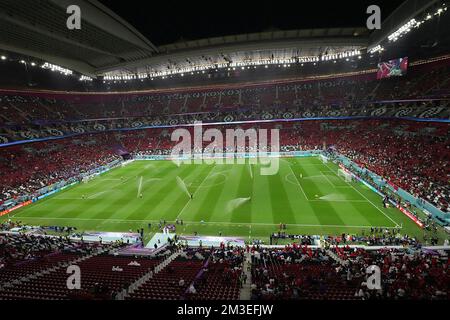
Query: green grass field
306,194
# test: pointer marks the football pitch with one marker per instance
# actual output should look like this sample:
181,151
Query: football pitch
232,199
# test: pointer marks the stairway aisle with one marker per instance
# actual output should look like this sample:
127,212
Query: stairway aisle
246,291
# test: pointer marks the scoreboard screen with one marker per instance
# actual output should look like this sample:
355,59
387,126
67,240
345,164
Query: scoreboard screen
392,68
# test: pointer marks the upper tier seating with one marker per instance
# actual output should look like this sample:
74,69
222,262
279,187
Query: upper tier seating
426,80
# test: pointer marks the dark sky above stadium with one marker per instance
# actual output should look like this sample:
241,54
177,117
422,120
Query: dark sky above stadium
168,21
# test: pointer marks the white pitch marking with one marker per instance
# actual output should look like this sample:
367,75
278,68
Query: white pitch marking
329,181
121,182
322,200
396,224
298,182
96,194
189,201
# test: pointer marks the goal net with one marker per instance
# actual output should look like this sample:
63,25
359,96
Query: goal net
324,159
86,179
345,175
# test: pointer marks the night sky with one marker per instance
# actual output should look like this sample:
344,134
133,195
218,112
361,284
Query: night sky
168,21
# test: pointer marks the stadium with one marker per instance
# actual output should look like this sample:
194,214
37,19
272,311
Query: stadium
291,161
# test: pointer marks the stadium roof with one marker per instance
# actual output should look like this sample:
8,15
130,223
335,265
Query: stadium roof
38,28
106,44
246,47
400,16
109,46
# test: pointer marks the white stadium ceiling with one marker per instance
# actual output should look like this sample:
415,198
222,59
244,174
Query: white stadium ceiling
245,48
108,46
38,28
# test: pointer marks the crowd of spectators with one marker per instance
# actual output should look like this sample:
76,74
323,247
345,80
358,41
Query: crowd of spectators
373,237
384,238
295,272
26,169
222,268
15,247
10,224
299,272
405,274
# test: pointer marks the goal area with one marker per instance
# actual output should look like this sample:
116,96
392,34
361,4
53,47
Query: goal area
345,175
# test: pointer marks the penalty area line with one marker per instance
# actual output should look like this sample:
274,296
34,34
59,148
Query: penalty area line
396,224
193,194
298,183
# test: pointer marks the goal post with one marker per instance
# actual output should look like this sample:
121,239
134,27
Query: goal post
345,175
323,158
88,178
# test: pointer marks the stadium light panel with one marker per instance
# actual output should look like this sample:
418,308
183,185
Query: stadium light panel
243,65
